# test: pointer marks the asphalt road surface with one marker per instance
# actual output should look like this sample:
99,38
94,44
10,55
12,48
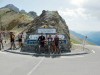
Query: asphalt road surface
16,64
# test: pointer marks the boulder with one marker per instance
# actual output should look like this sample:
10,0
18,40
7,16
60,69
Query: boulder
51,19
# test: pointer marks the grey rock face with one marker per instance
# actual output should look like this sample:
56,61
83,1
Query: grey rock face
50,19
32,14
23,11
11,17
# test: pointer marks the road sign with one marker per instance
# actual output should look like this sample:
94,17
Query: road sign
63,41
31,42
35,37
43,30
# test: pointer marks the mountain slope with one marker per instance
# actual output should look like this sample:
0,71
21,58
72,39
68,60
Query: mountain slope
95,37
9,18
78,38
11,7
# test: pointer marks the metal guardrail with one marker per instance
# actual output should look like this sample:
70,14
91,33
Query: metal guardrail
80,47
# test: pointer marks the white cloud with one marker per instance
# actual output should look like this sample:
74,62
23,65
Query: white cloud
67,12
77,2
74,13
80,19
79,14
92,7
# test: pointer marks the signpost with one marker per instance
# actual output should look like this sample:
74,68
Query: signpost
84,42
31,42
33,38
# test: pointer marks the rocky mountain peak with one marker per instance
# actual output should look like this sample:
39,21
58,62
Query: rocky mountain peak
12,7
49,14
23,11
51,19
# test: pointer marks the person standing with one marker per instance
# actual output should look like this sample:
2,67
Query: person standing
50,40
24,37
56,42
12,40
20,39
41,41
1,41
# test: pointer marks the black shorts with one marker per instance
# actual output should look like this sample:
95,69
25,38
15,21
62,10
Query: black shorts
20,40
41,44
56,44
0,41
12,40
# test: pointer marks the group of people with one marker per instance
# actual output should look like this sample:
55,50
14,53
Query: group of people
53,43
12,39
20,39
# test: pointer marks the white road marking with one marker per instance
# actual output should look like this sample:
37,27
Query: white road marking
34,68
93,51
78,56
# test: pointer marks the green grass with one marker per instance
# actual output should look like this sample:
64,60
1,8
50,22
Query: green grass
91,43
74,41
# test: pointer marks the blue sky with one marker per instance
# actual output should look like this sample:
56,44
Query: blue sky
80,15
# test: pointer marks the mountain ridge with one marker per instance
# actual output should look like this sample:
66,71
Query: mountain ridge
10,17
95,37
12,20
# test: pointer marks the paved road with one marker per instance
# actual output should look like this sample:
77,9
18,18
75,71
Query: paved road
16,64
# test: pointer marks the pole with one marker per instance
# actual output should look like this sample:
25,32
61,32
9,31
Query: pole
0,24
84,42
0,32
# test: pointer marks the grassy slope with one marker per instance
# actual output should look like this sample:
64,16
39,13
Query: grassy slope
76,40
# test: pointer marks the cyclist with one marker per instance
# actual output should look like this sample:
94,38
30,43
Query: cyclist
41,40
